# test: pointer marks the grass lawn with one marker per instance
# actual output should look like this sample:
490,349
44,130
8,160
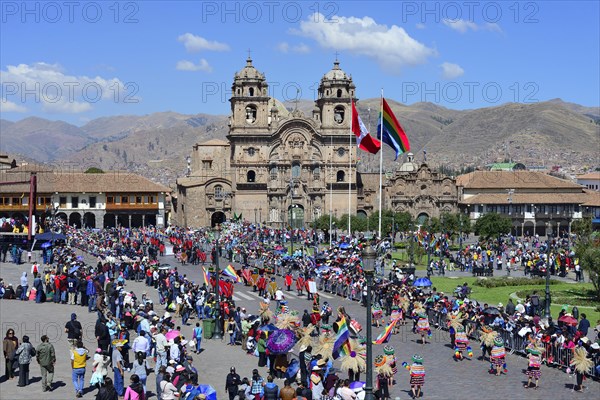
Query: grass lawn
501,294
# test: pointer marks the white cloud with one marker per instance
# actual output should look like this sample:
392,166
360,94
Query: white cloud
462,26
420,25
9,106
195,43
185,65
451,71
284,47
391,47
56,91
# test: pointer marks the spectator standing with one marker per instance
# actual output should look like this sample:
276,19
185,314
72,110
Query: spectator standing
46,358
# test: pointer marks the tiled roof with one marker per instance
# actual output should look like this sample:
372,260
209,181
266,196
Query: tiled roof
591,175
530,198
512,180
79,182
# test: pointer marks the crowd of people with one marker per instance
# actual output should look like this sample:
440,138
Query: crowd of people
135,335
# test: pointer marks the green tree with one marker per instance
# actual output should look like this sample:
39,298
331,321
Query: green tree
582,227
590,262
94,170
322,222
433,225
492,225
403,221
387,219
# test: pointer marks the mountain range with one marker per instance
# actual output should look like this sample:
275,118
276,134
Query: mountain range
538,134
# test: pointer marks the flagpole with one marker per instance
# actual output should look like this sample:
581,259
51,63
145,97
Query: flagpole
331,193
350,180
380,162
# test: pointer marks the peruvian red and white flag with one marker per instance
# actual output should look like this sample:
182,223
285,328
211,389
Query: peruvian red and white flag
364,140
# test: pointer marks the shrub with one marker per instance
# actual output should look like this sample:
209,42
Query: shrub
505,281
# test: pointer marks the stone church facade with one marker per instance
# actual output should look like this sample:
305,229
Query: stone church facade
284,168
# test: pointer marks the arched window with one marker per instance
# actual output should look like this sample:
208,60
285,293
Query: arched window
251,92
251,176
296,170
218,192
339,93
316,173
273,172
341,176
250,114
338,114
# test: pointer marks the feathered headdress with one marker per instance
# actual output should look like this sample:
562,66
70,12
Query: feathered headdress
304,338
487,336
580,361
265,313
287,321
419,309
382,367
324,346
356,360
454,321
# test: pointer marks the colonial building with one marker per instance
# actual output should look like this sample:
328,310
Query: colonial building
109,199
412,188
277,166
536,202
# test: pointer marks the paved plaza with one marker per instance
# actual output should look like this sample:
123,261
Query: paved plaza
446,378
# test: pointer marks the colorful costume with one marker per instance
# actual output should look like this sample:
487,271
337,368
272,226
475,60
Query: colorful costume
390,358
384,375
377,313
498,356
535,361
417,374
461,343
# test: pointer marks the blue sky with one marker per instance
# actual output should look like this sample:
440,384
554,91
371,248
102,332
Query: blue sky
94,59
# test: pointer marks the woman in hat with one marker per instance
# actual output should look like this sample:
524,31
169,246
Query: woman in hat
534,363
417,375
498,356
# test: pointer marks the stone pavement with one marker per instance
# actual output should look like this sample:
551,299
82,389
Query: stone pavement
446,379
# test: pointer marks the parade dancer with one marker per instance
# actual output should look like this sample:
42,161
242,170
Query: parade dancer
417,375
487,337
300,284
384,376
534,363
581,364
388,351
461,344
498,357
377,313
288,282
422,325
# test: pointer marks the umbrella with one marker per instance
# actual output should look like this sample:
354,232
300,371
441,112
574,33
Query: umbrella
73,269
491,311
46,245
357,385
281,341
165,266
568,320
268,328
207,390
344,246
80,258
172,334
425,282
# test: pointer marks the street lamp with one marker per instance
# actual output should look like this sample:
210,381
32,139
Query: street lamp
218,334
368,258
547,300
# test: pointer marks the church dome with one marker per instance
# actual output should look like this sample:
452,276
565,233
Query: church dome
336,73
249,72
410,165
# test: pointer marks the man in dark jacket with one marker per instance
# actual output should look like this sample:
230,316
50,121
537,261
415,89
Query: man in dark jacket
271,389
102,333
231,383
